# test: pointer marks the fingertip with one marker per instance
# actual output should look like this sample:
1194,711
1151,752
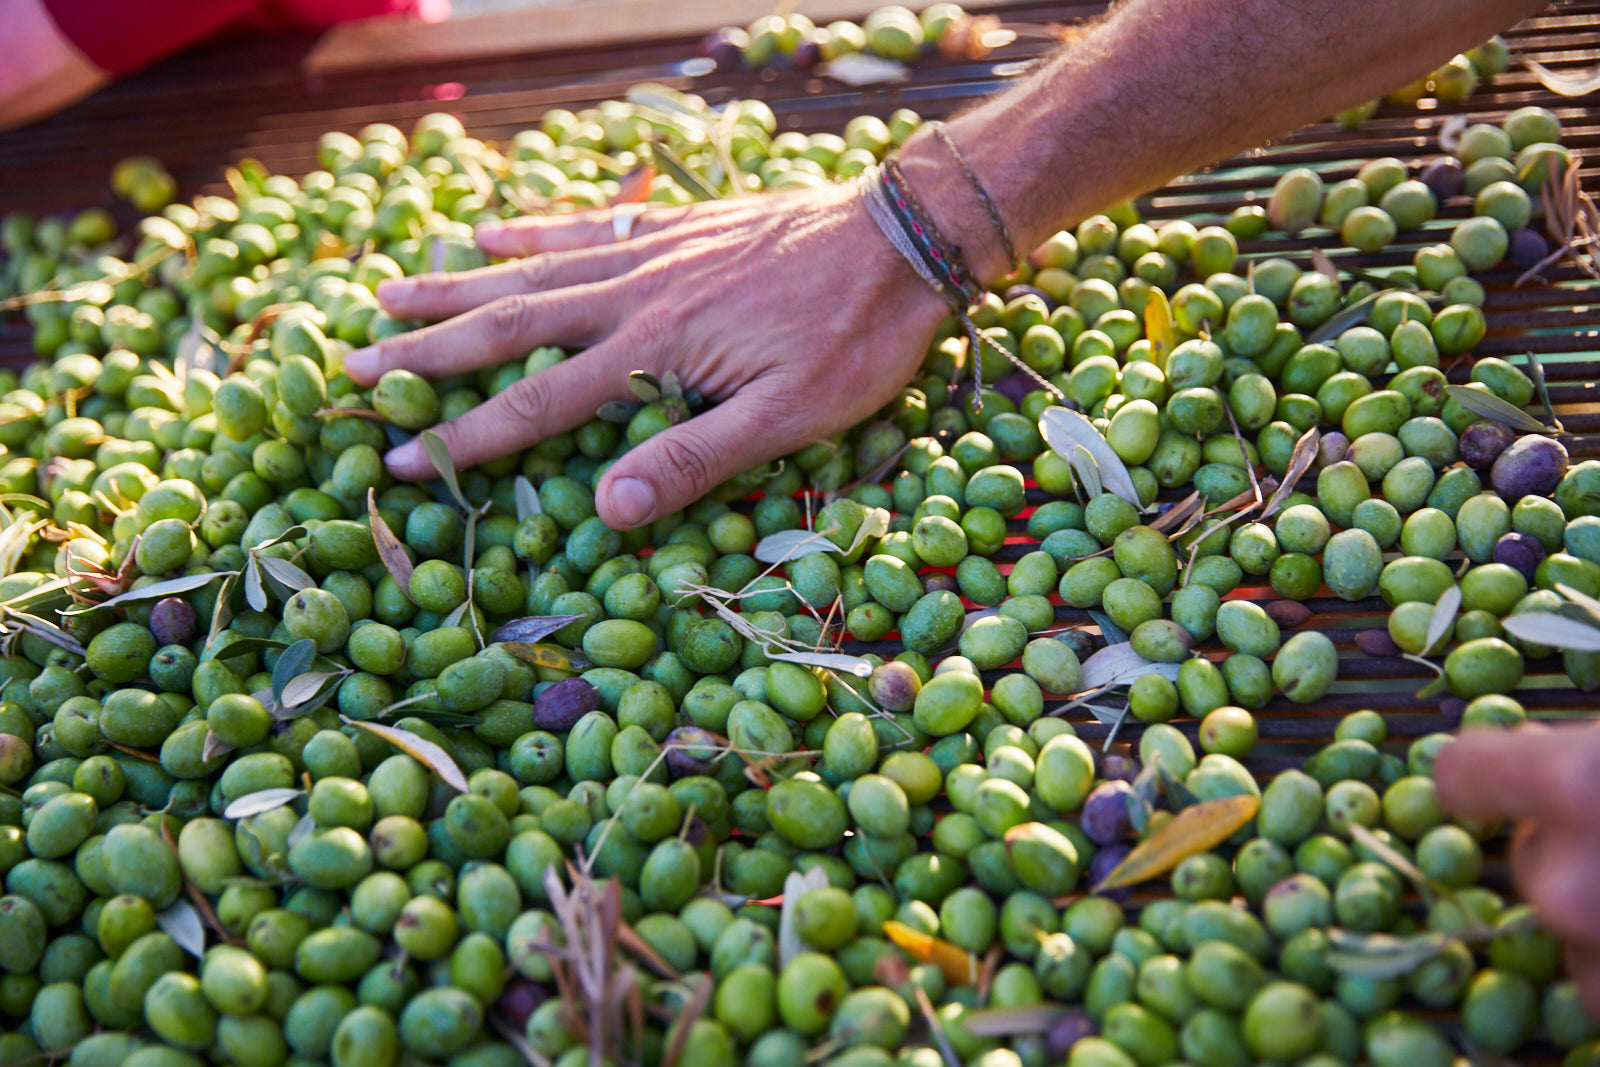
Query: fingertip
361,365
408,462
627,502
394,292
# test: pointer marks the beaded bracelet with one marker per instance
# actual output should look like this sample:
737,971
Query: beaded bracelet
911,230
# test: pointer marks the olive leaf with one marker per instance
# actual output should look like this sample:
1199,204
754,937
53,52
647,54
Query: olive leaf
1482,402
390,550
795,886
259,802
222,613
439,455
171,587
791,544
1426,887
289,578
420,749
255,591
645,386
856,69
1175,515
671,385
1444,616
1190,832
1113,633
1158,327
181,922
291,664
833,661
1380,956
527,499
301,829
1119,664
309,692
1063,428
1577,83
1300,460
679,171
1323,265
293,533
1178,794
1013,1022
532,627
214,747
1536,372
1556,631
1588,604
1334,325
1141,799
620,412
553,656
1083,466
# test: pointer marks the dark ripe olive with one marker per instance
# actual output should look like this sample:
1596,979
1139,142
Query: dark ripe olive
1017,291
1481,443
1444,177
1118,768
1105,813
1287,613
563,704
725,47
1521,552
519,1000
806,54
1015,386
1530,466
939,582
1104,862
1527,247
691,751
1331,449
172,620
1376,643
1066,1033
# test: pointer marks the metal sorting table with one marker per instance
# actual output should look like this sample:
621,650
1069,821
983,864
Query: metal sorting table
202,112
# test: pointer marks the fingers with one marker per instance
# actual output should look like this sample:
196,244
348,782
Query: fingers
549,402
499,330
560,233
678,466
1487,774
1557,869
442,296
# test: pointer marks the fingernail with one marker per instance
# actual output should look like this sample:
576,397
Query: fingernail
406,455
632,501
393,287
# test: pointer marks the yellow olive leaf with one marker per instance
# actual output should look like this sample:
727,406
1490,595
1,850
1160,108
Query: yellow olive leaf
1158,327
960,967
1192,831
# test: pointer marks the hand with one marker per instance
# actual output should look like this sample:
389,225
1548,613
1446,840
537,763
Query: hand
1549,779
792,310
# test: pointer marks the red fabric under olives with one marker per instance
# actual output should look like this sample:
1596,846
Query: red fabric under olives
122,36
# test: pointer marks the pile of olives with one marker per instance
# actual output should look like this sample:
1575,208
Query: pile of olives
891,32
299,765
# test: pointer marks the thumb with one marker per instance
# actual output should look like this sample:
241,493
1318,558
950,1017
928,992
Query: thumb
680,465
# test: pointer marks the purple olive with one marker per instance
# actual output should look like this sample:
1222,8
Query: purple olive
563,704
1527,248
894,685
1068,1032
725,47
1481,443
1081,643
807,53
519,1000
1018,291
1443,177
1117,768
939,582
172,620
1015,386
1105,861
1105,818
1376,643
1331,449
1451,708
1531,465
1521,552
691,751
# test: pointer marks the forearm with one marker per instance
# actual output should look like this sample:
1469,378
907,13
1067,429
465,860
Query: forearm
1160,87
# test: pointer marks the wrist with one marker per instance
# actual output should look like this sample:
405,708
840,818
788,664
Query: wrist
957,205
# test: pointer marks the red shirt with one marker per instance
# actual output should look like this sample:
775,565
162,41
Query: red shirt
122,36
